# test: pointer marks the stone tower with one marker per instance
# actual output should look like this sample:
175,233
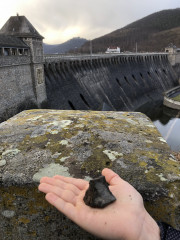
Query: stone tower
19,26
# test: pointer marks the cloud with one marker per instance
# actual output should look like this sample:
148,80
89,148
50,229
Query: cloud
59,20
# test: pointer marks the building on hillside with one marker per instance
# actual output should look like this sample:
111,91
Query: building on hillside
173,56
113,50
172,49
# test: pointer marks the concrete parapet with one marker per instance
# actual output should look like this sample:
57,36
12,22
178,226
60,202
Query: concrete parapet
169,102
38,143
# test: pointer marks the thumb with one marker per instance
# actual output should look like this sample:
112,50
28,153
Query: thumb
111,177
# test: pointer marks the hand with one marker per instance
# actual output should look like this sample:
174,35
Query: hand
125,219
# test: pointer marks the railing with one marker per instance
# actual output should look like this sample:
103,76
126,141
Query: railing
80,57
94,56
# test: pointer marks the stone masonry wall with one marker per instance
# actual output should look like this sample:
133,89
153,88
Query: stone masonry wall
14,60
37,69
15,85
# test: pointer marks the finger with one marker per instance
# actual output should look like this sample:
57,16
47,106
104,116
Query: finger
66,195
79,183
61,184
111,177
65,207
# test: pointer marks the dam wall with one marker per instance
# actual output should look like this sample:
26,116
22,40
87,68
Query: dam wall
107,82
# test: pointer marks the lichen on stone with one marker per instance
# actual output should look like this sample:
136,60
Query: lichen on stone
8,213
51,170
63,159
2,163
10,153
112,155
64,142
81,144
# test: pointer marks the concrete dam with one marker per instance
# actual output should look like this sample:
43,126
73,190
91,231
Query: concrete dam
107,82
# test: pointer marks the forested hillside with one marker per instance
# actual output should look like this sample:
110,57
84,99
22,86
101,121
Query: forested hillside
152,33
72,44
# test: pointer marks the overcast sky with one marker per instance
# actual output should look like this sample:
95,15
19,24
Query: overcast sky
60,20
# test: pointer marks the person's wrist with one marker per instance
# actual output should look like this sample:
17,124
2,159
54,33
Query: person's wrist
150,229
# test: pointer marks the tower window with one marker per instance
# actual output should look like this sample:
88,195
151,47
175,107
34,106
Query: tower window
38,52
20,51
14,51
1,51
26,52
39,75
7,52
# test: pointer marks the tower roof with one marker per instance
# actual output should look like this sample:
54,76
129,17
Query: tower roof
10,41
19,26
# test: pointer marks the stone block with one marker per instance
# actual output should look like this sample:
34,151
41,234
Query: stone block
80,144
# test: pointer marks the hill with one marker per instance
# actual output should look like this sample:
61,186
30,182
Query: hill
151,33
71,44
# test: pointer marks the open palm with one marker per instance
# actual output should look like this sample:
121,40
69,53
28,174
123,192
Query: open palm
126,218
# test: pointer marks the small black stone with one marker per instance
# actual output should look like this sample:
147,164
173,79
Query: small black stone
98,194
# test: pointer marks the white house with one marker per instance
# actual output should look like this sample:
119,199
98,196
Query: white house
113,50
172,49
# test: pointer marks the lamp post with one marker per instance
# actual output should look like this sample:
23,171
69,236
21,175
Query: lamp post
136,47
90,47
75,48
